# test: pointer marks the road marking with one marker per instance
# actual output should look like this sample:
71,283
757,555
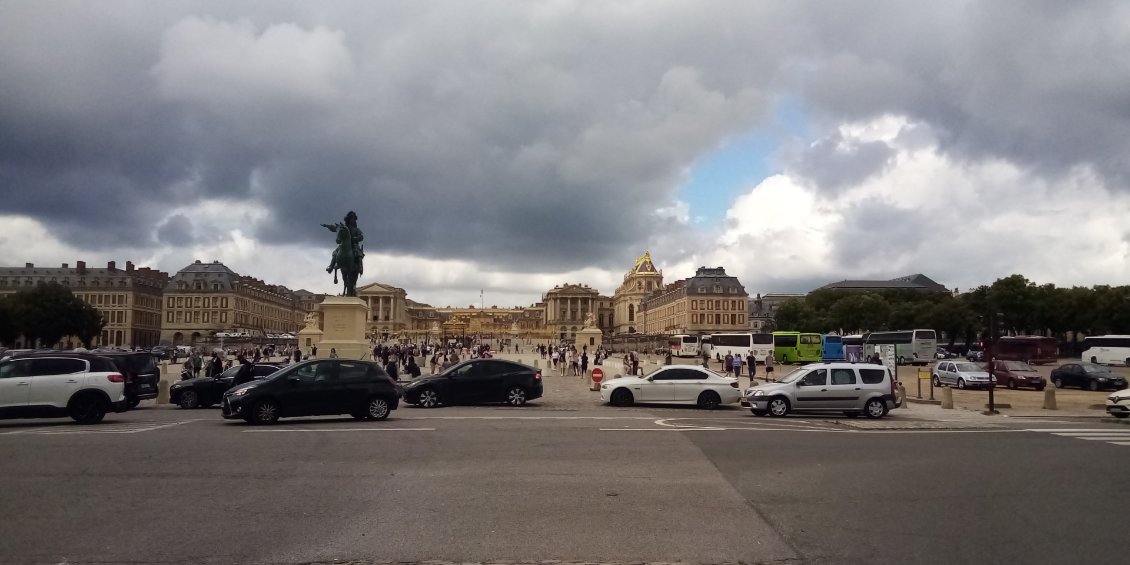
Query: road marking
324,430
1108,435
673,429
525,418
1072,430
115,428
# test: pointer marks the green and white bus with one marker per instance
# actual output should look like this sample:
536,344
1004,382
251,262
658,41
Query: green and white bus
797,347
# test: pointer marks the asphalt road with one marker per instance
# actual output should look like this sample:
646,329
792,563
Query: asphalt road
598,485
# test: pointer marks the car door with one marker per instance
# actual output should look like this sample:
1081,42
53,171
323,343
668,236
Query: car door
492,377
462,386
844,389
812,390
661,386
15,384
54,380
351,386
946,373
1073,375
688,384
307,390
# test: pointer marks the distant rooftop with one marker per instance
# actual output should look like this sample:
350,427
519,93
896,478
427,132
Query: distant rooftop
917,282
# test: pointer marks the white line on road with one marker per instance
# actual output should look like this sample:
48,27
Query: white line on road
325,430
525,418
1073,430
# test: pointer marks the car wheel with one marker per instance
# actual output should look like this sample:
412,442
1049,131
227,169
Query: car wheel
779,407
189,399
875,408
709,400
87,409
1057,382
961,384
758,412
377,409
621,397
428,398
133,401
516,396
937,382
1092,385
265,412
1012,384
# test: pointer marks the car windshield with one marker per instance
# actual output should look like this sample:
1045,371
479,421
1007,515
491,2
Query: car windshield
1016,366
969,367
230,373
1094,368
794,375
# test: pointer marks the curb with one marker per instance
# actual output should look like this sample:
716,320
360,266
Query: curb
922,401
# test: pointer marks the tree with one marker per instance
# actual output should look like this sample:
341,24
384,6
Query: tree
49,312
798,315
9,325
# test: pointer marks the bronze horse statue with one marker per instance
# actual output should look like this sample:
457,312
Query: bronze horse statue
349,255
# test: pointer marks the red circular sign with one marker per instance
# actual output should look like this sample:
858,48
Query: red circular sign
597,375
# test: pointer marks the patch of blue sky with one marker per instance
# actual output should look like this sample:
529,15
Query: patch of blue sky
740,163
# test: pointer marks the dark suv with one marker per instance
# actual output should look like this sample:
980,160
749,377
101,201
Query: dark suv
318,387
477,381
141,372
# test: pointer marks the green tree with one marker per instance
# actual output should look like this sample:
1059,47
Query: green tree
49,312
798,315
9,326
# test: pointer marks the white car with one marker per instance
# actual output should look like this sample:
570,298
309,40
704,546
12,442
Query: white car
53,384
673,384
1118,404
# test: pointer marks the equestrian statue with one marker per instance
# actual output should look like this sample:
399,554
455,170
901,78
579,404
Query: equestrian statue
348,256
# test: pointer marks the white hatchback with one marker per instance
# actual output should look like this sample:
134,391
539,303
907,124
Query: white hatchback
673,384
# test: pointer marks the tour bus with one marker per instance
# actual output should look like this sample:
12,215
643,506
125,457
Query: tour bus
1032,349
853,348
832,348
915,347
1107,349
683,345
797,347
719,345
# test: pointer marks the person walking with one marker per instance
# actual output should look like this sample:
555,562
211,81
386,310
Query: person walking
314,352
769,367
217,365
297,354
751,361
584,362
635,363
197,363
412,368
705,360
737,366
728,364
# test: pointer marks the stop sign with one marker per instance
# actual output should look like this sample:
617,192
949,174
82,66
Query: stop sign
597,375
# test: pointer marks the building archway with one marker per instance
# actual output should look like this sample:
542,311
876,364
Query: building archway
195,337
178,338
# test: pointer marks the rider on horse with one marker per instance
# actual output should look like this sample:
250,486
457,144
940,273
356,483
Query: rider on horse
355,239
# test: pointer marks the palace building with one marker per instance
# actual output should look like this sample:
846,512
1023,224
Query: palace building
709,302
638,283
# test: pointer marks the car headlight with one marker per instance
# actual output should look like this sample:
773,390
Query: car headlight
240,392
1102,379
758,393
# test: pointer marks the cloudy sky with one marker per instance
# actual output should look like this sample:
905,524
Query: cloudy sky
512,146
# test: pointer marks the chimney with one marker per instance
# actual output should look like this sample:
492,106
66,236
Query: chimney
112,266
81,266
129,266
29,265
66,266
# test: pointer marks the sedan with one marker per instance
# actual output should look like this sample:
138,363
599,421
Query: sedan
1087,375
673,384
477,381
1017,374
206,391
1118,404
961,375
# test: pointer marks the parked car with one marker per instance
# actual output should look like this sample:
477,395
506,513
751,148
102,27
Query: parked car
80,385
673,384
477,381
943,353
975,355
317,387
208,391
1118,404
849,388
162,352
1088,376
1017,374
141,372
962,374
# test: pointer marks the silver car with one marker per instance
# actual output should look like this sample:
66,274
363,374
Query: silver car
962,374
849,388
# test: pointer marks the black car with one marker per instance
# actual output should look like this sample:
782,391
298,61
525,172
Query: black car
140,370
206,391
477,381
1088,376
317,387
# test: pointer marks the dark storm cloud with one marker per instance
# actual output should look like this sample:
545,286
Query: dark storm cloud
176,231
524,136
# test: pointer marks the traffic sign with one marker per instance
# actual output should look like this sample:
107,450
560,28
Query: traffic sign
597,375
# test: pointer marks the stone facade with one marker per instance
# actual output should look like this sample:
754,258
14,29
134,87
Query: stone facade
129,299
639,282
566,307
203,299
709,302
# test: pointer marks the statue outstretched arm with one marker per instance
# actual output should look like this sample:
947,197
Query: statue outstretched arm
330,227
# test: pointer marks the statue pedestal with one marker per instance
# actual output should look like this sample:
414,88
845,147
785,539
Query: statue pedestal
590,338
343,328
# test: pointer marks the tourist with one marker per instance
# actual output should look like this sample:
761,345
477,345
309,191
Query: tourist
751,361
769,367
412,369
737,360
333,353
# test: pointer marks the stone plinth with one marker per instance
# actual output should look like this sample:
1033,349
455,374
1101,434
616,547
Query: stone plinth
590,338
343,328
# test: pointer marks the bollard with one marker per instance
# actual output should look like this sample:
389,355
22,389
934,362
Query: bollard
947,398
1049,398
535,363
163,392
